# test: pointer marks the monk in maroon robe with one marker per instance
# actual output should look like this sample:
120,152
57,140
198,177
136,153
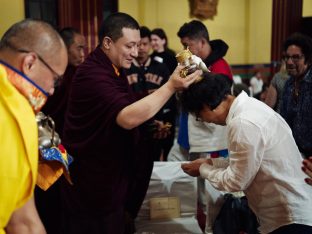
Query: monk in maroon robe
101,131
48,202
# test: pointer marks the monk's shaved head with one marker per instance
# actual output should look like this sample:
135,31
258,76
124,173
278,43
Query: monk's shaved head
33,35
37,50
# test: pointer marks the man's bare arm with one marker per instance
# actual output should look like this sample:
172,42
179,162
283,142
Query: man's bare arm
144,109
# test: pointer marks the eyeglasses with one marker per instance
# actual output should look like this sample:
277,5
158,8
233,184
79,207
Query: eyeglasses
294,58
55,75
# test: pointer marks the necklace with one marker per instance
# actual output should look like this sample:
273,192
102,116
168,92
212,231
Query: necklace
296,89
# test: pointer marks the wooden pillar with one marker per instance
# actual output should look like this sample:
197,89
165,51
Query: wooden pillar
84,15
286,20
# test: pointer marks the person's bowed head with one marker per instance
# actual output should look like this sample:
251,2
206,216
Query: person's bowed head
209,100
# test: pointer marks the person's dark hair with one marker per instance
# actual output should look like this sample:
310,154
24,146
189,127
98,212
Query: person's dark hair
238,88
302,41
145,32
161,34
210,91
194,30
68,34
112,26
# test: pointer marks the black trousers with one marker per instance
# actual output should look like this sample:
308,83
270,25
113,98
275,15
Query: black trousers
112,223
49,206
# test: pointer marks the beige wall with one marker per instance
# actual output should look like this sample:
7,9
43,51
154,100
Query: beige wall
245,25
307,8
260,31
11,11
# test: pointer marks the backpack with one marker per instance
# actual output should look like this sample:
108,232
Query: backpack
235,217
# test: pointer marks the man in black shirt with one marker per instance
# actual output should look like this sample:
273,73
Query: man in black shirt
145,76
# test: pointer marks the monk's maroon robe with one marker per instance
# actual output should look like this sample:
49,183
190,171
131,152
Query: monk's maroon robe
104,153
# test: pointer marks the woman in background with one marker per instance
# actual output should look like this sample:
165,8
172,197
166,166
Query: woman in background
161,52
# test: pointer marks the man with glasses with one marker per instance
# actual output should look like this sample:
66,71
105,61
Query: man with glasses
297,98
32,58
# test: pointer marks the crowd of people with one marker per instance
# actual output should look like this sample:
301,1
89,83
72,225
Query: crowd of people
116,112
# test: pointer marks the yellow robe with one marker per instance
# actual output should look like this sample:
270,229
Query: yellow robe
18,149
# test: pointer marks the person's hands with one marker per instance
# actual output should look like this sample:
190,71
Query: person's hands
177,83
162,129
307,169
192,168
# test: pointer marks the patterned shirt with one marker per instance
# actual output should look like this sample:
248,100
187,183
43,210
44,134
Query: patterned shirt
297,111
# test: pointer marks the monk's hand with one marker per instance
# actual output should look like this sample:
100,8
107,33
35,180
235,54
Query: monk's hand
192,168
307,169
178,83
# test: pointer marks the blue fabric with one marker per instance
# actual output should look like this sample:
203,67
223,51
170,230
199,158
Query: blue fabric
298,111
223,153
54,153
183,139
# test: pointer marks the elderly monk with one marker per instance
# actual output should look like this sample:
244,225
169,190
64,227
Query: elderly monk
32,57
101,131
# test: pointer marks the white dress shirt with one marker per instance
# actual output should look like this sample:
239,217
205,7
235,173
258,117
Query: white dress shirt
265,163
206,137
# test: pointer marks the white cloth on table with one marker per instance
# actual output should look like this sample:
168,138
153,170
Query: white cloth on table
169,180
